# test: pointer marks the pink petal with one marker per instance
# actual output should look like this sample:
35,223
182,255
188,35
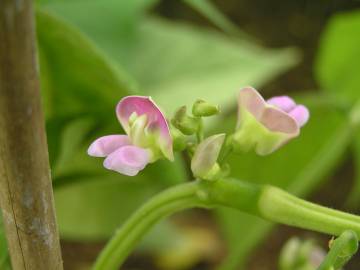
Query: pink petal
252,101
284,103
278,121
105,145
128,160
156,119
272,118
301,114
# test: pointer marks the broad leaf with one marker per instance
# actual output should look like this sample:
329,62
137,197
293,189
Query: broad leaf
177,63
339,57
337,70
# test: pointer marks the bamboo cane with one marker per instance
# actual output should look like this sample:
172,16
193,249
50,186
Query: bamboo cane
26,196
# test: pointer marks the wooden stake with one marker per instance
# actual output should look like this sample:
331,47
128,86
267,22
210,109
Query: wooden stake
26,196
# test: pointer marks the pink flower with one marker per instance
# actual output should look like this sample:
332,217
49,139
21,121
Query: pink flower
267,125
148,137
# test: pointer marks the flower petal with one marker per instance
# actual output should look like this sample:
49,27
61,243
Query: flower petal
156,120
278,121
250,100
301,114
272,118
105,145
261,126
128,160
284,103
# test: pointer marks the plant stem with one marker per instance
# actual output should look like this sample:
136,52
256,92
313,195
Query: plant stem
26,196
268,202
341,251
279,206
162,205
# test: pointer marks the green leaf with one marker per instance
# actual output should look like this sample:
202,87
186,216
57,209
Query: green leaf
178,63
112,24
337,71
354,198
76,77
338,61
194,63
299,167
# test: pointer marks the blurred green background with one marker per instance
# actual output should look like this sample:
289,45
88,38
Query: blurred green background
94,52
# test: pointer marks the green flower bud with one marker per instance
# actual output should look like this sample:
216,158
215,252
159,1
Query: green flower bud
186,124
203,163
201,108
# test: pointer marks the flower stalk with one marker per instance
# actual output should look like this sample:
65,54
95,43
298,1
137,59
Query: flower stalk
267,202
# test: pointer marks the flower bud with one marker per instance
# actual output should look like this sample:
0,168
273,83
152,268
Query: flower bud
201,108
186,124
203,163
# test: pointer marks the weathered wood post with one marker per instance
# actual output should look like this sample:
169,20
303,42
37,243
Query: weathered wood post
26,196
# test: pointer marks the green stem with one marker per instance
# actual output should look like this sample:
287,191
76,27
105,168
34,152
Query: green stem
268,202
279,206
341,251
200,132
162,205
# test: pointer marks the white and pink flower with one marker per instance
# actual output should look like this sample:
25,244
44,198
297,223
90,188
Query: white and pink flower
148,137
267,125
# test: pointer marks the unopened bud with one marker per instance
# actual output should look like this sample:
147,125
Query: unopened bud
204,163
201,108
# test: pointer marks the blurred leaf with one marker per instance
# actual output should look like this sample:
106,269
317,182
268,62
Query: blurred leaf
337,70
354,198
338,61
111,23
76,76
178,63
195,63
94,208
211,12
299,167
